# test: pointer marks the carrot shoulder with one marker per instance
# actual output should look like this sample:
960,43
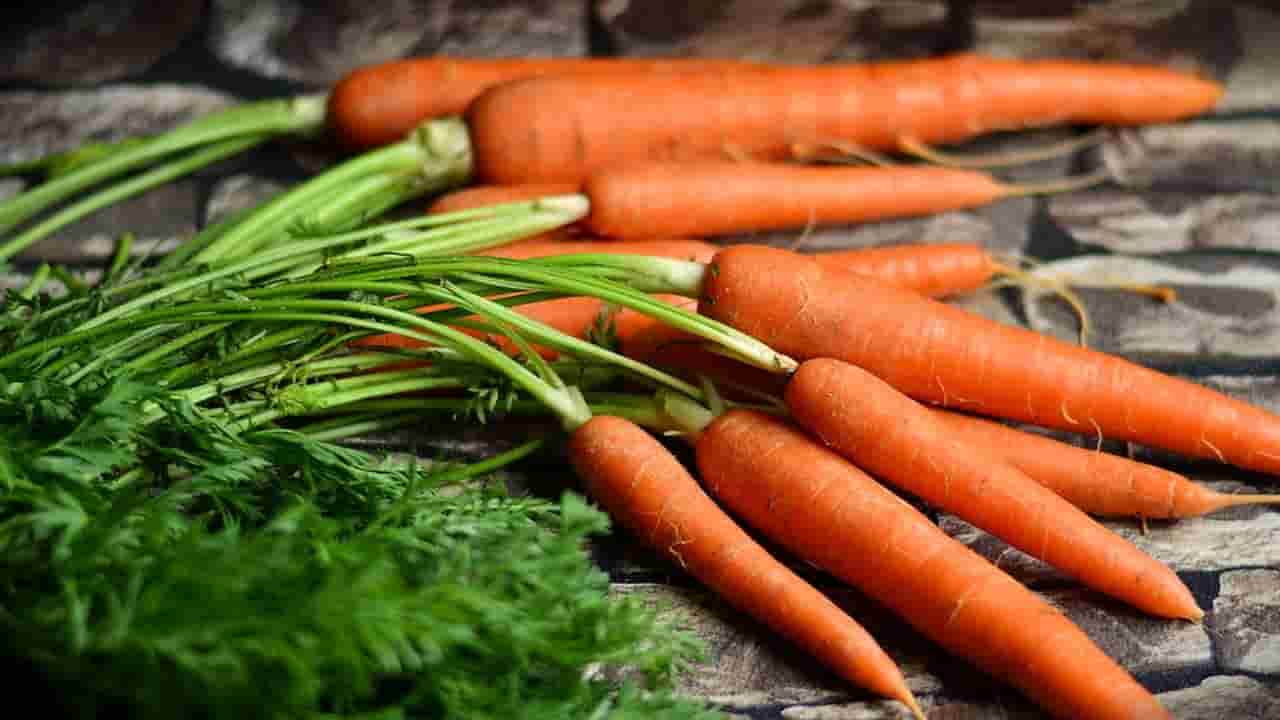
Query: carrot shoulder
646,489
941,354
895,438
715,197
379,104
824,509
562,128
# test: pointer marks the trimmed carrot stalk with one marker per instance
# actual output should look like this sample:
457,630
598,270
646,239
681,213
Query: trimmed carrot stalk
943,355
486,195
832,514
564,129
646,489
479,196
716,197
379,104
898,440
675,248
1094,481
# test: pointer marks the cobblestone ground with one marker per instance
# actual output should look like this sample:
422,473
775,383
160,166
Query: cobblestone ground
1197,210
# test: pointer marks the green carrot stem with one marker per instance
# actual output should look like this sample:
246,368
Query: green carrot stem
120,259
111,195
437,155
308,402
37,281
285,368
103,355
300,115
174,346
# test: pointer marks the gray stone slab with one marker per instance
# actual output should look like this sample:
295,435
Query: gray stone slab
747,666
790,31
95,42
1239,154
1244,537
1164,33
1251,81
159,219
237,193
1225,305
318,44
34,124
1225,696
1246,621
10,187
1140,223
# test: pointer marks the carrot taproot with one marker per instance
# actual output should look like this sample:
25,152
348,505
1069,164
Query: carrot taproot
717,197
898,440
940,354
379,104
1097,482
827,511
646,489
566,128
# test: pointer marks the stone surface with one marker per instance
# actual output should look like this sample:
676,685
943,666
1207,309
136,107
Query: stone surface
1230,154
1139,223
33,124
790,31
1225,696
1142,644
1250,83
747,666
159,219
1164,33
235,194
93,42
317,43
1226,305
1246,621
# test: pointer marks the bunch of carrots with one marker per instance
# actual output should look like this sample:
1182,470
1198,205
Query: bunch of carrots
878,383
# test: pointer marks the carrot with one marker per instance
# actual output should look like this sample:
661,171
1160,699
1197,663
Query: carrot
380,104
896,439
677,248
1094,481
825,510
941,354
715,197
485,195
564,129
646,489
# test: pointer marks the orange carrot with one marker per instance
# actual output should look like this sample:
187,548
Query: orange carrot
1094,481
896,439
715,197
380,104
937,270
941,354
564,128
828,512
646,489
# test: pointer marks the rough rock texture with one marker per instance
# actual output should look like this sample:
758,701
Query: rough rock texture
1246,621
87,43
791,31
317,43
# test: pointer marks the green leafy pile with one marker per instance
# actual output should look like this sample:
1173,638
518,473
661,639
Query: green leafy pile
267,574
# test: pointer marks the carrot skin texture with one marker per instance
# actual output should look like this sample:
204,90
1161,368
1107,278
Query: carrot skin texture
380,104
1097,482
716,197
646,489
832,514
935,270
895,438
943,355
556,129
